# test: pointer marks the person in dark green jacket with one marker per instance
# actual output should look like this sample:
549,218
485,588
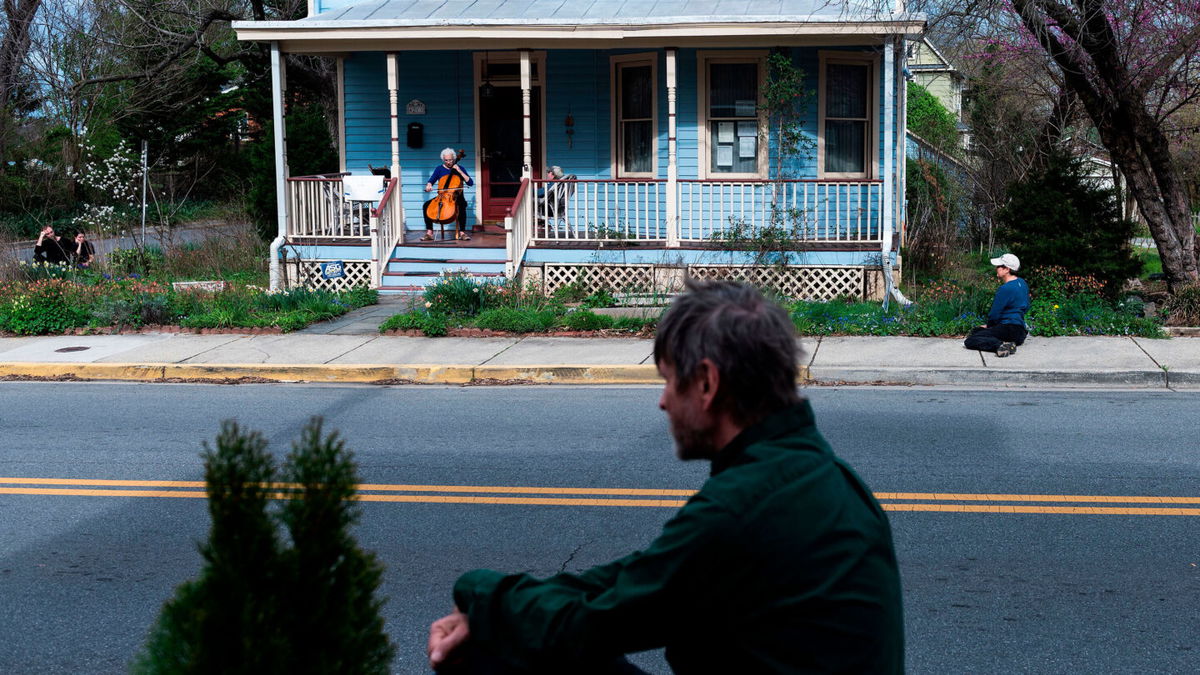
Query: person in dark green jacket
782,562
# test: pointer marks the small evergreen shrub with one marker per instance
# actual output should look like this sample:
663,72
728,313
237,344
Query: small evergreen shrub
1058,216
264,606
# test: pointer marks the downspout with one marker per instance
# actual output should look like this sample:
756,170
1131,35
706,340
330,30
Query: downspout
281,208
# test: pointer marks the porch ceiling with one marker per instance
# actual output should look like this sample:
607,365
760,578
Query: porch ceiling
500,24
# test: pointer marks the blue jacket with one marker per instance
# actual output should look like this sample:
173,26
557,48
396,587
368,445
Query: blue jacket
1011,303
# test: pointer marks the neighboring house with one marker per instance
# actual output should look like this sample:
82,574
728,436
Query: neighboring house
930,69
653,109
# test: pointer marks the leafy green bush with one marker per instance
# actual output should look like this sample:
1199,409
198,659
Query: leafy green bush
601,298
459,295
585,320
47,306
1058,216
127,261
516,320
634,324
930,120
432,325
140,310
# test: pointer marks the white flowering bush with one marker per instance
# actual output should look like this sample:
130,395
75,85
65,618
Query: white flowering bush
113,186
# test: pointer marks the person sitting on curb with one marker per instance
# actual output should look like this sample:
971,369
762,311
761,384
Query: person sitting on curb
1005,329
50,248
783,562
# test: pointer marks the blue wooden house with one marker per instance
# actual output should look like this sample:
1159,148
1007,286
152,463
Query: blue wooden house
653,109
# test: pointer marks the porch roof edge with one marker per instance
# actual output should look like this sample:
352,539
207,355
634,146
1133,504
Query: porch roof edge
610,22
564,34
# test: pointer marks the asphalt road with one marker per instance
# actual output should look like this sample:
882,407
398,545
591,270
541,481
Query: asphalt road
82,577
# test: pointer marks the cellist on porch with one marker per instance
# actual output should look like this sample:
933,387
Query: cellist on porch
448,167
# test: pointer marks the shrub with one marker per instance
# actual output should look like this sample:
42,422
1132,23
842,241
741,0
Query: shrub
432,325
601,298
516,320
127,261
1057,216
585,320
634,324
260,605
140,310
459,294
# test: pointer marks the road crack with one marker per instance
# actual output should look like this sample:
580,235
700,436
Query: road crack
563,568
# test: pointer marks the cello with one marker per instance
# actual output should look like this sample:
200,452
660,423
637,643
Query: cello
443,208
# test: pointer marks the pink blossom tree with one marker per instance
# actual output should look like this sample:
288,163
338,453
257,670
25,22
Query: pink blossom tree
1132,66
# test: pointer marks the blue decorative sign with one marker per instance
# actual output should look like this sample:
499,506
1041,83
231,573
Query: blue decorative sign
334,269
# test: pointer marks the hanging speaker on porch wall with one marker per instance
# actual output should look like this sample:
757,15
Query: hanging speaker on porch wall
416,135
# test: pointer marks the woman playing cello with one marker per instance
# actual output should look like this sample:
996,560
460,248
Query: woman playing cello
450,204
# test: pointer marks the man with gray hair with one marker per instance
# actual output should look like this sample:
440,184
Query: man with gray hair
781,563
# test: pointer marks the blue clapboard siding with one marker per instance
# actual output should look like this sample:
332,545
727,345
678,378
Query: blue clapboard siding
577,83
443,81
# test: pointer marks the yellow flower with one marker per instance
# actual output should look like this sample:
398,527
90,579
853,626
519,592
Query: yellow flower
1056,307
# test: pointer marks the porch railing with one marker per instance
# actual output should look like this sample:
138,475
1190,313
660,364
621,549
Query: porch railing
318,210
387,226
807,210
595,210
518,225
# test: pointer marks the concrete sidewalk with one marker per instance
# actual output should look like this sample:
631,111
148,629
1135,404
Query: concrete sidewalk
316,357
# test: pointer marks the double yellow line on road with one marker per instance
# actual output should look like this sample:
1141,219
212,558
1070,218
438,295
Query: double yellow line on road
630,497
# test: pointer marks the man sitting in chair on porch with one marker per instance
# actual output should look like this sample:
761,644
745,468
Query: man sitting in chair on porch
448,166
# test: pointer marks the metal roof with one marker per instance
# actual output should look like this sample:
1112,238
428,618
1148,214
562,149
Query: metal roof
382,13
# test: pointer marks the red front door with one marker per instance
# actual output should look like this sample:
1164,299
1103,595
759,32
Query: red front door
501,148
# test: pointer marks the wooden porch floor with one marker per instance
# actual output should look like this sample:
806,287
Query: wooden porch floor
491,236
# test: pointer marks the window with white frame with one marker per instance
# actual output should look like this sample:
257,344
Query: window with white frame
846,117
634,133
732,117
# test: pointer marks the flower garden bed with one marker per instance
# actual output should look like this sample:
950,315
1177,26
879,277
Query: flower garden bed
1062,304
64,301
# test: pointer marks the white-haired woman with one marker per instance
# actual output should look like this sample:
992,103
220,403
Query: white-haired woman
449,166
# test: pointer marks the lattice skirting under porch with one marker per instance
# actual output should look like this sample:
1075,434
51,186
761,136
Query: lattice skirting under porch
805,283
307,273
619,278
800,283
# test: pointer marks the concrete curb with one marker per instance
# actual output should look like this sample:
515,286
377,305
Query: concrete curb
333,373
986,377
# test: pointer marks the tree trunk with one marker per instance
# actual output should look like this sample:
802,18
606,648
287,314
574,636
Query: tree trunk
13,50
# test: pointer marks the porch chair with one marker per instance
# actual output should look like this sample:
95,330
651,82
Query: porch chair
552,206
360,194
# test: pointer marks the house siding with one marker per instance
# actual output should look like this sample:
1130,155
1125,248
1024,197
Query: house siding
578,83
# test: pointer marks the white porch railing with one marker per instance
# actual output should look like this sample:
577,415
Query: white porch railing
387,226
597,210
318,210
518,226
821,211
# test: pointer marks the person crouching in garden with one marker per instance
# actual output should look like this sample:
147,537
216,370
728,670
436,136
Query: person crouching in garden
82,251
1005,329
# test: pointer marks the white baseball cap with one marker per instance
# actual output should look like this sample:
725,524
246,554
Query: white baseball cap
1008,260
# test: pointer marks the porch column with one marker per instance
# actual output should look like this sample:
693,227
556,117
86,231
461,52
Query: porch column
887,208
394,103
526,126
278,86
672,156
